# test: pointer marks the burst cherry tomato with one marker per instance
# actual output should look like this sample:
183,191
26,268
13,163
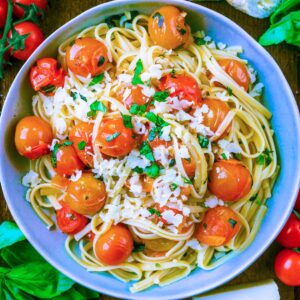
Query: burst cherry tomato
46,76
19,11
287,267
34,39
297,205
33,137
183,86
289,236
136,96
189,166
67,161
219,225
160,244
114,139
70,221
237,71
147,184
3,12
87,195
114,246
217,112
60,181
81,136
87,56
229,180
167,28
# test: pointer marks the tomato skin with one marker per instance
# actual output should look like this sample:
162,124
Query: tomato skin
84,55
215,229
114,246
160,244
34,39
120,145
237,71
19,11
87,195
183,86
46,72
229,180
219,111
287,267
33,137
189,166
67,161
83,132
3,12
297,204
136,96
167,28
69,221
289,236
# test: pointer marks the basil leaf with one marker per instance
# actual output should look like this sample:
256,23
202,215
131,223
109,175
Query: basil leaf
147,151
187,180
138,247
53,154
83,98
229,90
97,79
199,41
16,293
47,89
138,170
232,222
157,120
136,109
260,160
127,121
161,96
153,170
224,156
39,279
172,163
85,292
101,61
174,186
71,294
81,145
10,234
203,141
154,211
112,137
138,70
98,106
73,95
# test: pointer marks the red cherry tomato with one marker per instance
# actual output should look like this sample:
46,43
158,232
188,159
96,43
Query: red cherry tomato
167,28
46,76
189,166
60,181
67,161
219,225
81,136
19,11
3,12
34,39
136,96
33,137
287,267
114,139
229,180
87,56
289,236
70,221
183,86
87,195
237,71
114,246
297,205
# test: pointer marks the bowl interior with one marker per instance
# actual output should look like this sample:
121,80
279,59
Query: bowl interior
278,98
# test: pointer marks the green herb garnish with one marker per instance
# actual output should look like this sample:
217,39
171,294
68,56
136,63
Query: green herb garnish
136,109
153,211
172,162
203,141
161,96
138,70
174,186
199,41
138,247
112,137
127,121
232,222
138,170
97,79
224,156
50,88
153,170
229,90
101,61
187,180
81,145
146,151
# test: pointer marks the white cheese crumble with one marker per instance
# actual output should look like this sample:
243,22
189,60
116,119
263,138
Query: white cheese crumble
161,154
194,244
212,201
31,179
171,218
134,159
165,133
228,147
76,175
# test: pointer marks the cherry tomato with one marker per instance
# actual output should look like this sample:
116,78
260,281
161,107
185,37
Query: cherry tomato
237,71
87,56
60,181
160,244
289,236
189,166
114,246
147,184
297,204
34,39
167,28
287,267
114,139
3,12
19,11
87,195
219,225
67,161
81,136
136,96
46,76
218,110
229,180
91,236
183,86
33,137
70,221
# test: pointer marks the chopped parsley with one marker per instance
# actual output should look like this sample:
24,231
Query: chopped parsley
96,106
153,211
47,89
174,186
147,151
138,70
161,96
127,121
229,90
199,41
81,145
264,158
138,170
232,222
153,170
160,19
83,98
138,247
74,95
203,141
157,265
101,61
97,79
157,120
224,156
187,180
112,137
136,109
172,163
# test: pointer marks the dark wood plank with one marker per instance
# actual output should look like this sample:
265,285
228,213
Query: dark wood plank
285,55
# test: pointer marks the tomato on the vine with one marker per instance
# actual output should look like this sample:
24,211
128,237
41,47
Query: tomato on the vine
19,11
34,39
3,12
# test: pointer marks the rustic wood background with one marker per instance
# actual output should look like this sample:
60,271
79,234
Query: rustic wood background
287,57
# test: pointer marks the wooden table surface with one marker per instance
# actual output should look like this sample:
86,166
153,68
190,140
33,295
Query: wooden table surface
62,11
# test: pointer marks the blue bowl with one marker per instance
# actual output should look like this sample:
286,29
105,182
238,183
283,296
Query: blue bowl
278,99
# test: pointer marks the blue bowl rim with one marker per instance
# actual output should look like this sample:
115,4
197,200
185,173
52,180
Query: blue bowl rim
268,240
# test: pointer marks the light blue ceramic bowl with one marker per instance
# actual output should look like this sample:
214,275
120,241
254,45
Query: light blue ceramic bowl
285,121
